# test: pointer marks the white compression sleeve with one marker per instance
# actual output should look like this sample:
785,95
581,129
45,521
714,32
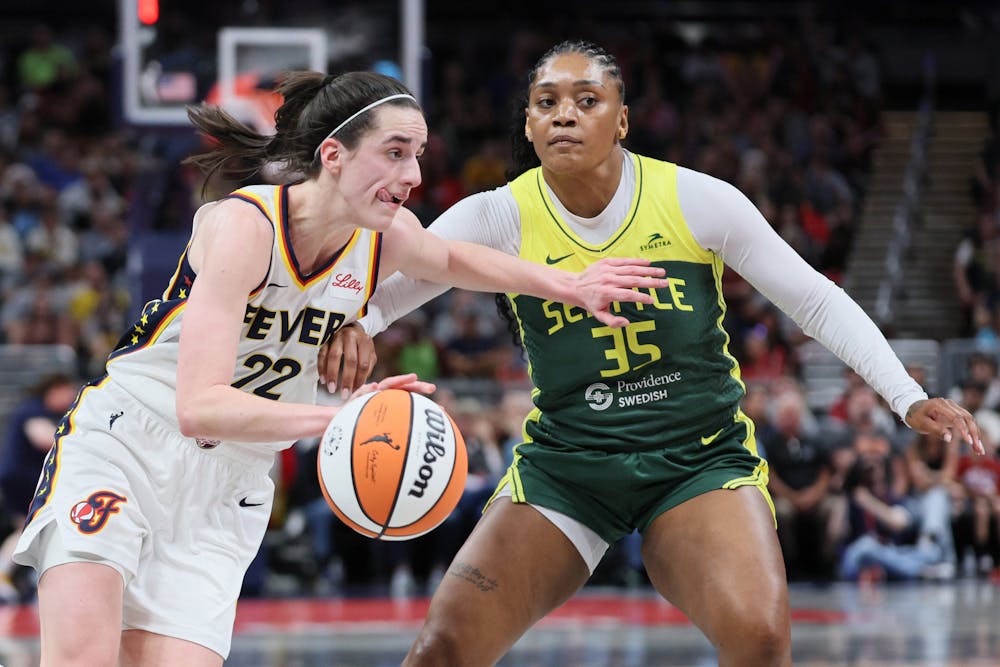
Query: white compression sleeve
487,218
724,221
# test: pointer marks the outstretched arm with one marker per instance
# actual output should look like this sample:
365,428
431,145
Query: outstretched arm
419,254
724,221
487,218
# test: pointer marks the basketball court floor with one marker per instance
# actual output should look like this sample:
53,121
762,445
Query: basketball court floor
937,625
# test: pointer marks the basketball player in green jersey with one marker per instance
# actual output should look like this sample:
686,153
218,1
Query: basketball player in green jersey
637,427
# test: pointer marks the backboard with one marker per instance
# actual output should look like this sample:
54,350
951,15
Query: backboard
180,52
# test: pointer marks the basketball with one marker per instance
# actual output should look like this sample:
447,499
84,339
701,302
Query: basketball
392,464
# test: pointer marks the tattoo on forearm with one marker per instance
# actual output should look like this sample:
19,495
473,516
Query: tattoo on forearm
473,576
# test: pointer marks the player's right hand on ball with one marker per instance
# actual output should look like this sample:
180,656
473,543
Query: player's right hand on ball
407,382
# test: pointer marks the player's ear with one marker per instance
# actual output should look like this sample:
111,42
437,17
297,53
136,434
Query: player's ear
623,123
331,153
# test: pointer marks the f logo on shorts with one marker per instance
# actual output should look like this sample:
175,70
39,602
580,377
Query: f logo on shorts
92,514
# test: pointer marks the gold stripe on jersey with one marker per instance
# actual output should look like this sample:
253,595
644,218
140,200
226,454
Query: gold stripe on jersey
50,469
374,256
175,278
249,196
277,213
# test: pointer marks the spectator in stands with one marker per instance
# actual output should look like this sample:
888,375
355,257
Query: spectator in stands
883,530
826,189
57,163
931,465
45,61
799,474
757,403
417,353
106,241
515,406
973,399
974,267
983,184
98,308
11,252
484,169
865,417
983,327
978,526
456,304
765,354
38,320
10,122
838,409
53,240
93,193
23,197
980,368
441,187
31,427
790,226
469,353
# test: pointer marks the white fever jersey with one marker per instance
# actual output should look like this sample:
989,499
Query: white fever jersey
288,316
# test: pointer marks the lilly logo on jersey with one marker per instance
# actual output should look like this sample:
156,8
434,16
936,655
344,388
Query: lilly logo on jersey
92,514
348,281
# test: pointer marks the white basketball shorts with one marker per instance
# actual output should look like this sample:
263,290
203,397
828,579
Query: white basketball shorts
180,523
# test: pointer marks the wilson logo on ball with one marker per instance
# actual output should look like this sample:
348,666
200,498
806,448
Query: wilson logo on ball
392,464
434,450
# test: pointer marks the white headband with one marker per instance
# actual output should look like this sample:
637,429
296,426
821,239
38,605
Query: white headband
357,113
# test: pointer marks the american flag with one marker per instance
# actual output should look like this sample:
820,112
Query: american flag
176,87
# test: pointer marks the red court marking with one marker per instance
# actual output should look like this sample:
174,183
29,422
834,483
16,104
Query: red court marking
256,615
262,616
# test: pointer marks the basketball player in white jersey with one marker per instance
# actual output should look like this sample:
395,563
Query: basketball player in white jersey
155,495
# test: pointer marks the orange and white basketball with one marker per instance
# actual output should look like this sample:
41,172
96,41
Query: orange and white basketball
392,464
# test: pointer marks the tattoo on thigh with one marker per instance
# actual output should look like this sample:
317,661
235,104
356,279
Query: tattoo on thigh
473,576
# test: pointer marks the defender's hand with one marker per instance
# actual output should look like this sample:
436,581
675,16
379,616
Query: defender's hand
346,360
616,279
941,417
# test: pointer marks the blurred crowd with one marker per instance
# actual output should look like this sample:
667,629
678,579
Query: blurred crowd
977,257
791,116
65,179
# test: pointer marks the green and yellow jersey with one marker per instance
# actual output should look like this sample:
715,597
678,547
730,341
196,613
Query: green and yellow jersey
667,376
